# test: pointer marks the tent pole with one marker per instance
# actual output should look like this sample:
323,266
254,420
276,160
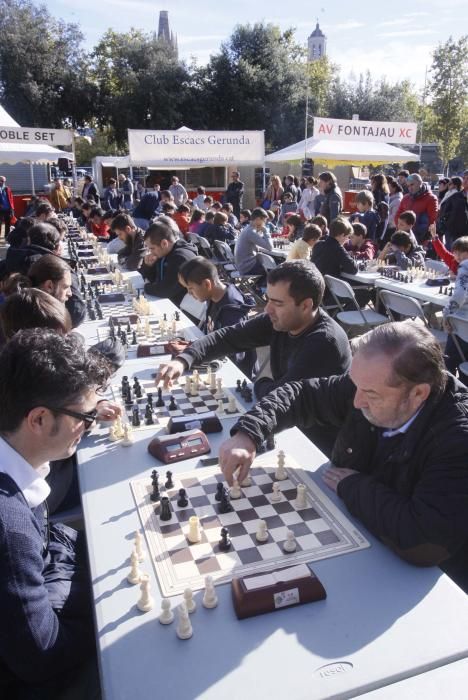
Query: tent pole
31,170
74,176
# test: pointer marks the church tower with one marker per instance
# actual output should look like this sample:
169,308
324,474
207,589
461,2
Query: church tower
164,33
317,44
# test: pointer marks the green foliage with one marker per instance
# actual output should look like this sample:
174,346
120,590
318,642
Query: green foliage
43,76
101,144
449,94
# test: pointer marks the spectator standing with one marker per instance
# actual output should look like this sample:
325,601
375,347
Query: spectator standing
110,197
59,195
178,192
235,193
7,206
90,191
307,201
290,188
394,199
199,200
366,214
402,178
332,203
274,192
380,189
126,191
456,211
423,203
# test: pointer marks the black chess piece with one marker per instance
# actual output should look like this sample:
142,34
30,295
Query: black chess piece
225,543
166,513
99,312
239,386
440,289
136,416
92,314
219,491
225,503
137,389
172,405
177,316
169,483
160,403
164,317
134,338
155,495
149,398
129,328
182,501
149,415
124,384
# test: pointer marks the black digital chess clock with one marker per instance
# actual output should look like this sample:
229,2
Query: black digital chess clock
174,448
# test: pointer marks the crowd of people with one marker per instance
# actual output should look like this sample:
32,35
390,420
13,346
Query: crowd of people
387,408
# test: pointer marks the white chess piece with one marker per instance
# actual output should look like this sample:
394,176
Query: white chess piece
301,499
213,381
174,327
187,384
208,376
148,332
166,616
139,546
194,530
246,482
184,626
235,491
118,427
219,389
232,405
220,408
128,435
112,434
210,599
289,544
280,473
276,493
262,533
146,601
194,385
135,573
190,604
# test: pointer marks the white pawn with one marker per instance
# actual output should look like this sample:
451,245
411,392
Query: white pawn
127,436
148,332
220,406
232,405
194,386
280,473
188,384
184,626
166,616
174,327
118,427
210,599
301,500
190,604
112,433
194,535
219,389
276,493
262,532
235,491
246,482
135,573
146,601
290,543
208,376
138,546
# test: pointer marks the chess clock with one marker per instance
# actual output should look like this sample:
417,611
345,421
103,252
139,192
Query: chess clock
175,448
206,422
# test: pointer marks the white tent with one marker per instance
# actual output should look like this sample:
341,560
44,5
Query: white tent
334,153
18,153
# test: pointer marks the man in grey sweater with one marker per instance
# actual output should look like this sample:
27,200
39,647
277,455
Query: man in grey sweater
253,239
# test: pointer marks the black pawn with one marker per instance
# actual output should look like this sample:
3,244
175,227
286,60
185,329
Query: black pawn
148,415
169,483
124,385
239,386
134,338
160,402
150,399
177,316
219,491
165,513
182,501
128,396
172,405
136,417
155,495
137,388
224,543
129,328
225,503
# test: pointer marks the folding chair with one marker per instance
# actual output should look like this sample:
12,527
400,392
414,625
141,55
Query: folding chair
409,308
203,246
459,328
245,283
366,318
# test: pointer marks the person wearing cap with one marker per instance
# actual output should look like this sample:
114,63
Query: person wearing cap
423,203
235,193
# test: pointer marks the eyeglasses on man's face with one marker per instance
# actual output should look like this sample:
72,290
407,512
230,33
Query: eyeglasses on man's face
87,418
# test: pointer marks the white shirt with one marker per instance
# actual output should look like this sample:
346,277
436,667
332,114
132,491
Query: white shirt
403,428
30,481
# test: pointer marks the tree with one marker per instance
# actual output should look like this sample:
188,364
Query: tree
100,144
140,81
43,69
449,94
258,81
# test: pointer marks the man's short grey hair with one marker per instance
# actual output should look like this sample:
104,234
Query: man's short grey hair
415,355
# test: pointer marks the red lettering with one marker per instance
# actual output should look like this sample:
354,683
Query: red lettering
405,133
330,129
322,129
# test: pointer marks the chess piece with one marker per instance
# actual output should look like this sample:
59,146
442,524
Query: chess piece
134,338
219,491
184,626
239,386
220,408
194,535
289,545
169,483
224,504
262,533
166,616
210,599
139,546
128,436
112,433
213,381
232,406
135,573
119,430
160,402
301,500
172,404
190,604
165,513
246,482
276,493
187,384
235,491
148,332
225,543
280,473
193,386
146,601
148,414
182,501
219,389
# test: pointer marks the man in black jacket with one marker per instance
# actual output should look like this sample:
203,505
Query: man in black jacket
330,255
131,256
400,459
161,266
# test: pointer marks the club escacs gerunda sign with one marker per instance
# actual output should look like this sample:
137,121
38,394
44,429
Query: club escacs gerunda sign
356,130
196,148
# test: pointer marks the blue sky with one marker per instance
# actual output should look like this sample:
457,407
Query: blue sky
394,39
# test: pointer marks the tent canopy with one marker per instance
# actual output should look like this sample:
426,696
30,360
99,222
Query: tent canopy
334,153
21,153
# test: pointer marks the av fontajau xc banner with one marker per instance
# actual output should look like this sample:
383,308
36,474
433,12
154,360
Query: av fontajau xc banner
357,130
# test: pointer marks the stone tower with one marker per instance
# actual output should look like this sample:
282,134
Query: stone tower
317,44
164,33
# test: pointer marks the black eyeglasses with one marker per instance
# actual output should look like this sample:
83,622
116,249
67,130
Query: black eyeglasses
87,418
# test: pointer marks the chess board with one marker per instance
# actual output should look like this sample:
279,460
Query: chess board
321,530
119,310
190,406
155,336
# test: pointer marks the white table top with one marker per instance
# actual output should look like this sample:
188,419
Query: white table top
417,289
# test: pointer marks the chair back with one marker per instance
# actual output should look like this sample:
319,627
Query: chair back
339,288
402,304
266,261
223,251
459,326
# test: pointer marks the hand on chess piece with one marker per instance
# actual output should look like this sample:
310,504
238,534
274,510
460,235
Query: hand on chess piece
107,410
170,372
237,453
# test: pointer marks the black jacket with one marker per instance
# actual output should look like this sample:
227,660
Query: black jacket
162,280
412,489
456,216
146,208
332,259
132,255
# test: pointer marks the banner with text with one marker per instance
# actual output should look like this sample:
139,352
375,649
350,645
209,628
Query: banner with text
168,149
356,130
35,135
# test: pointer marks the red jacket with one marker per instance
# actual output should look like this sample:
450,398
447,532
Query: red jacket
366,252
425,205
445,255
